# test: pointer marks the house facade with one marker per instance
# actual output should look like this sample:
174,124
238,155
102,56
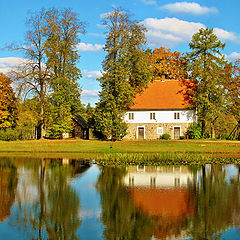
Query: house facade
164,107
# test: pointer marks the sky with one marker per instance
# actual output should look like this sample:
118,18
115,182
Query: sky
170,24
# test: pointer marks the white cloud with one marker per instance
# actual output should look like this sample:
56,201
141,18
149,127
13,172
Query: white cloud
92,74
88,47
9,63
90,96
172,31
104,15
189,8
225,35
233,56
149,2
90,93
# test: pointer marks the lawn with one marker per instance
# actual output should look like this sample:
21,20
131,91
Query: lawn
77,146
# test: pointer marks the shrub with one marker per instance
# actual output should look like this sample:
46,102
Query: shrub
8,134
182,137
195,131
165,136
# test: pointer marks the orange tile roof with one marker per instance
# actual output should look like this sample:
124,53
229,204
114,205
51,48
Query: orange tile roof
168,94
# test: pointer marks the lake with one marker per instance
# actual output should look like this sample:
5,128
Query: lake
76,199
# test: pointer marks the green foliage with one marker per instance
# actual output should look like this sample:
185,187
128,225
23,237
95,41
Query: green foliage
126,72
206,65
182,137
8,134
61,121
53,35
165,136
195,131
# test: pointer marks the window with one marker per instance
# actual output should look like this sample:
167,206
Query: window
131,116
176,115
159,130
152,116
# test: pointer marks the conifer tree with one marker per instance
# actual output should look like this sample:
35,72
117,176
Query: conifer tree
206,66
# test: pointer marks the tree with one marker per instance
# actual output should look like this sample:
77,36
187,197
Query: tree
206,66
33,75
167,64
8,100
63,29
51,66
232,84
126,72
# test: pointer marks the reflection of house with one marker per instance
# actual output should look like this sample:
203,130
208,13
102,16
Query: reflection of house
163,193
162,108
142,176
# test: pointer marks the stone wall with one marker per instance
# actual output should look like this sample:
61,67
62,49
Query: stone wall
151,129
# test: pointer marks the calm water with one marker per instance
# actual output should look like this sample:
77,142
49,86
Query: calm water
68,199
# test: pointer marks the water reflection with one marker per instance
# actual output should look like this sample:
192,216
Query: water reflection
170,202
8,185
46,207
69,199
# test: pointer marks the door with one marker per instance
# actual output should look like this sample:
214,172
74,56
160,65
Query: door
176,132
140,133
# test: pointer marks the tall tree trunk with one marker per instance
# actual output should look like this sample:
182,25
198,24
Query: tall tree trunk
203,127
213,134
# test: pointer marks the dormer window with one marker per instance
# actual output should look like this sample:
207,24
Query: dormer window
152,116
176,115
131,116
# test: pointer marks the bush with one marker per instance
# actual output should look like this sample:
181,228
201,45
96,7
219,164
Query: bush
19,133
165,136
8,134
182,137
195,131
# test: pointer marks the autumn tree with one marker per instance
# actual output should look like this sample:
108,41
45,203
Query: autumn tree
232,85
167,64
126,72
33,75
8,111
51,65
206,66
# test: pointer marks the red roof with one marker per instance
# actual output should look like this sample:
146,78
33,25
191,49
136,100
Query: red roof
167,94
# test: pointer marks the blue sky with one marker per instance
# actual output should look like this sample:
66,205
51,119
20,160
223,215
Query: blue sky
169,24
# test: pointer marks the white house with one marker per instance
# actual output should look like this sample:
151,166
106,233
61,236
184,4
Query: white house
163,107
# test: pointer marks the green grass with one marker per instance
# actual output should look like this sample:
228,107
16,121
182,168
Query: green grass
76,147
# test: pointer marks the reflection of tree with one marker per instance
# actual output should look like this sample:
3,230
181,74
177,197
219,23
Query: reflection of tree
218,204
8,185
54,215
121,219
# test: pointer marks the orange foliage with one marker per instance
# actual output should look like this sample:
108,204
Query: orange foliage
167,64
7,103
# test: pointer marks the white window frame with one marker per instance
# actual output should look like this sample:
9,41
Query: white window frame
161,130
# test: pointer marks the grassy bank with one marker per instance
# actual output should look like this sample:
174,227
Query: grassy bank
75,148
